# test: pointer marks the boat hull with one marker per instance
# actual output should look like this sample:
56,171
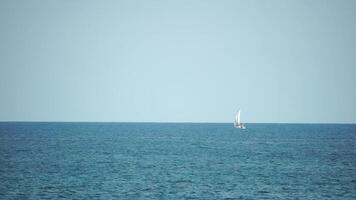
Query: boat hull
241,126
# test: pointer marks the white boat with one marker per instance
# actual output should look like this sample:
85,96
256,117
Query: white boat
237,122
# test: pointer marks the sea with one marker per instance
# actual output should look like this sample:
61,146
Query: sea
55,160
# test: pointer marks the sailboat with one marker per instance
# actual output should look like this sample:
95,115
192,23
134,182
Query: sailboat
237,122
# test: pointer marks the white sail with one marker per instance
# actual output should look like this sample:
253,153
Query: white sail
238,117
238,123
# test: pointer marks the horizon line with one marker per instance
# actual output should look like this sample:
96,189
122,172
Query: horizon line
167,122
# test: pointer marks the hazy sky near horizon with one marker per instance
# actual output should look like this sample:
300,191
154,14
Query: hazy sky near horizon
158,60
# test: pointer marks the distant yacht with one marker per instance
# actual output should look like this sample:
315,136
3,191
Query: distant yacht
237,122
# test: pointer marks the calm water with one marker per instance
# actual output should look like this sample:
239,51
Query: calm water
177,161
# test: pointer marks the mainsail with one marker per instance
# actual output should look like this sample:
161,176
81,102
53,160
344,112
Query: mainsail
238,117
238,123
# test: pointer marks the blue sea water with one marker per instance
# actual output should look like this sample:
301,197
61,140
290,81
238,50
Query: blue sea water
176,161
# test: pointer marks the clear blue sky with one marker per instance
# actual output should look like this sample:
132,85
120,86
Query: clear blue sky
198,61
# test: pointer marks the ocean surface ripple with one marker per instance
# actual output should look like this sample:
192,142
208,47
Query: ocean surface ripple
176,161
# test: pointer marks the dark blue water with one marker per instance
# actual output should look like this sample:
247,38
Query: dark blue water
177,161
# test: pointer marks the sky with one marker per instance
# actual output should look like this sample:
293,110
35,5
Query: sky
178,61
